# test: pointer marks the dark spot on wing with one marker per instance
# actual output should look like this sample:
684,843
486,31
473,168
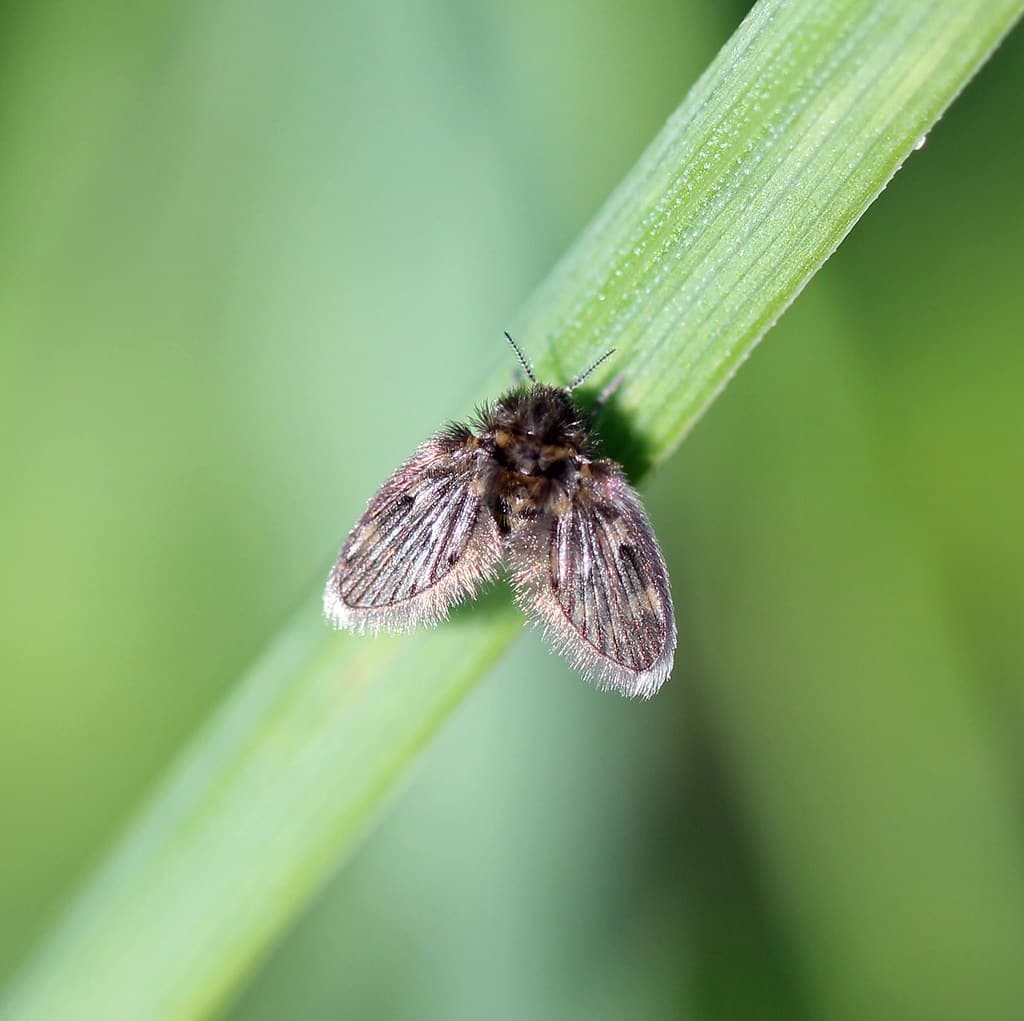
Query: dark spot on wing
629,554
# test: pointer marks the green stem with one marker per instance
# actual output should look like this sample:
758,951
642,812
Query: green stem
780,147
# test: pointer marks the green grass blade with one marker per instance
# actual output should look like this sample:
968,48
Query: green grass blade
796,127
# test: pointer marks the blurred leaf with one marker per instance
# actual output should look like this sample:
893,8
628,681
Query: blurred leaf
779,148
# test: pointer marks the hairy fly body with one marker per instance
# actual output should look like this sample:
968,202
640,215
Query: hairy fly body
521,485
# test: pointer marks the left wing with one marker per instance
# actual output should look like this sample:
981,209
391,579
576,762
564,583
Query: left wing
424,543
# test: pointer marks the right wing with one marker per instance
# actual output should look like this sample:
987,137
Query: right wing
424,543
595,580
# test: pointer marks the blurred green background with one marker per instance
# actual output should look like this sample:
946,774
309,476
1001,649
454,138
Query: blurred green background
252,253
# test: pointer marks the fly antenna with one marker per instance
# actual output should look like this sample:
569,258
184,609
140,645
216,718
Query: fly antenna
583,375
522,358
